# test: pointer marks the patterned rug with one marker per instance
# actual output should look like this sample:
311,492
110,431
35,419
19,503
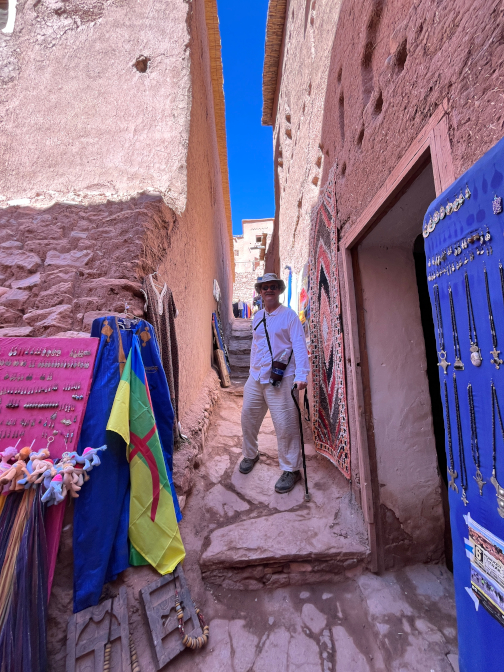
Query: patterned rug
330,421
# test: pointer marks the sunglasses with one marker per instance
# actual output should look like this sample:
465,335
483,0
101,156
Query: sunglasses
273,287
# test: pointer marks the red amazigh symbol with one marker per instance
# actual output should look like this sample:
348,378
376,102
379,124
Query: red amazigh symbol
140,446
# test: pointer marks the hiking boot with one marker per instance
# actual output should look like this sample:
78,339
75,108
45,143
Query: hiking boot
247,464
287,481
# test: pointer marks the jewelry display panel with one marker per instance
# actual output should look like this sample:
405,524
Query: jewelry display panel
464,246
44,387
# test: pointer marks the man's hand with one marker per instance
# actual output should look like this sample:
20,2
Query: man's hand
300,385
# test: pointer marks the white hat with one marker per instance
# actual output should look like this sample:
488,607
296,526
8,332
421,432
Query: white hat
269,277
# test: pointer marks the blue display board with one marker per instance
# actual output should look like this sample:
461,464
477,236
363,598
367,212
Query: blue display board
464,245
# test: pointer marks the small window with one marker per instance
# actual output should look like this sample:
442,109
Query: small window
237,253
258,239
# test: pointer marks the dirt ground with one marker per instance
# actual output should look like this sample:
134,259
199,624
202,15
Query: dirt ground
284,583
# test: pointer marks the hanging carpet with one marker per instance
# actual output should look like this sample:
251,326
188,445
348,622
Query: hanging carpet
330,420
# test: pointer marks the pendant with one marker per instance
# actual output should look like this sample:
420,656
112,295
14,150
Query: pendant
475,355
496,361
500,495
459,364
453,476
443,363
464,498
479,480
497,205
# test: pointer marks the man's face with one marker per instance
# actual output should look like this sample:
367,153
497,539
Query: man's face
270,292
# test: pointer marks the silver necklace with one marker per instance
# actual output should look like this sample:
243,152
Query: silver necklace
496,361
439,318
498,488
476,358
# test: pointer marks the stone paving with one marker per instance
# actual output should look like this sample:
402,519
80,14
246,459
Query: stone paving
283,583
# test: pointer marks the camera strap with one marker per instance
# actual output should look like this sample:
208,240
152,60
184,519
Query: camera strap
268,338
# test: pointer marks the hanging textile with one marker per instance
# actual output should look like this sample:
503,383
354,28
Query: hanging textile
101,515
23,636
289,287
330,420
304,302
464,248
153,528
161,313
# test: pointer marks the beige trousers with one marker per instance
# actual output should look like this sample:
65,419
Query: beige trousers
257,398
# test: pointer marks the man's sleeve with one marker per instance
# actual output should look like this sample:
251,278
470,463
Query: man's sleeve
300,351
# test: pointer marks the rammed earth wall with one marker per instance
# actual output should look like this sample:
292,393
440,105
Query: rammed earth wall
110,171
357,81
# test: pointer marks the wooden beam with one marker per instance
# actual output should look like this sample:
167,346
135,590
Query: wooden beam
358,406
441,156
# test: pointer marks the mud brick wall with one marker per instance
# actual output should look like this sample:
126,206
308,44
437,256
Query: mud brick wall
62,267
243,288
392,65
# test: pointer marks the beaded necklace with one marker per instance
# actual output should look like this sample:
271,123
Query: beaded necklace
498,488
474,440
463,468
473,338
439,318
451,469
496,361
458,366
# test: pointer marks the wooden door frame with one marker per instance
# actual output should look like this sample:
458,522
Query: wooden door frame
432,141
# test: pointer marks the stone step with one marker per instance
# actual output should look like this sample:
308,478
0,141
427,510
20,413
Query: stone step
240,346
242,336
241,328
287,548
241,361
279,540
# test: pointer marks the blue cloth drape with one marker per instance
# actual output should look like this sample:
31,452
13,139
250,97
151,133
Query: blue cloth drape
101,516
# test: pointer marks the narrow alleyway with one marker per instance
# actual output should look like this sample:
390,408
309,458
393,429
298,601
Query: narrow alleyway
283,583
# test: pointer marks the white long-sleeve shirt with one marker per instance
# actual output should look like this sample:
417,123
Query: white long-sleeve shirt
286,333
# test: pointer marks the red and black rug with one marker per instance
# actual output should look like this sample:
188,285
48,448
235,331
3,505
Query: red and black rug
330,420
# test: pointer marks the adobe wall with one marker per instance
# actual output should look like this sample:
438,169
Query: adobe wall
243,288
152,131
77,119
299,157
392,65
199,250
383,69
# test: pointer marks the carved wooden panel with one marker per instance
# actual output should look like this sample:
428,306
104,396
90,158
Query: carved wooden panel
158,601
88,633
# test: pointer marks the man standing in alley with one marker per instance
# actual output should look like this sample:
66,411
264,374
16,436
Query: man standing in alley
278,336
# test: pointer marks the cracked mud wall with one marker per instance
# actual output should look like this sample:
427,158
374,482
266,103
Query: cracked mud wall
392,65
299,156
77,119
111,172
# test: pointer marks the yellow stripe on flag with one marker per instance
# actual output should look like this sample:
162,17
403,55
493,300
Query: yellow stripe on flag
119,420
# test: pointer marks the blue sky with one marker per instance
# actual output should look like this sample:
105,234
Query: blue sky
250,148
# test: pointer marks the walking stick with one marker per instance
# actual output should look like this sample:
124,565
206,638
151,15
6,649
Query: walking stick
307,494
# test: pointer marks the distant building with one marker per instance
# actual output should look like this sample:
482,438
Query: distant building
249,255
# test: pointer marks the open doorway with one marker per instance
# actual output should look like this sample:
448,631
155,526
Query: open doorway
401,381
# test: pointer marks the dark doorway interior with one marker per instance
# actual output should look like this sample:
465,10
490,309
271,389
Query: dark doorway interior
434,388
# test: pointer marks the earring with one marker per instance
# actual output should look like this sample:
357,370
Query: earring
497,205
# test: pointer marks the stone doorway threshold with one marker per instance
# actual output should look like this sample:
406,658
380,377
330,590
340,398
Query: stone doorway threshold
255,563
257,537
